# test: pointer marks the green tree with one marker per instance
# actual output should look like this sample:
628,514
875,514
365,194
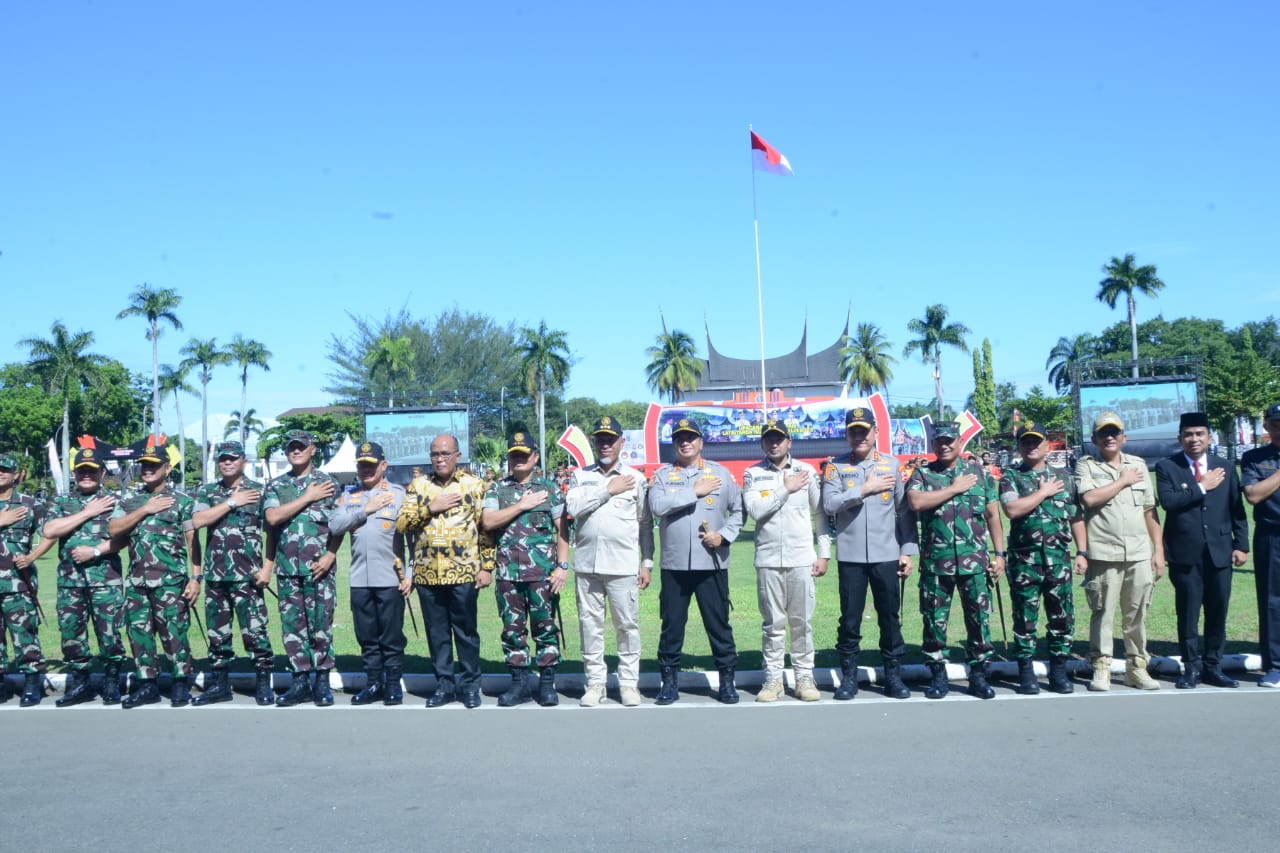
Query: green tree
252,425
247,353
865,362
1066,355
155,304
488,451
65,368
1123,277
392,358
674,366
173,381
1242,385
984,389
28,413
934,332
204,355
1046,411
544,364
114,408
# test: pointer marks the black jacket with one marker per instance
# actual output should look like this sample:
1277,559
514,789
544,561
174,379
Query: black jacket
1195,520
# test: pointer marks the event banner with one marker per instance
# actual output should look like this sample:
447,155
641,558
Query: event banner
726,424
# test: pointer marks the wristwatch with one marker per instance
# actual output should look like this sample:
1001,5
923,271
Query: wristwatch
1082,553
96,553
198,578
231,501
1002,554
564,566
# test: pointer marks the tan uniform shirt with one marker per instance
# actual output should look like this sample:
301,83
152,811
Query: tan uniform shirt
1117,530
784,520
449,548
613,533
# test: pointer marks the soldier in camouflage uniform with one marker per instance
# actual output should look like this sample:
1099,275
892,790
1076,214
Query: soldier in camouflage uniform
1044,517
452,561
231,509
90,585
957,504
156,519
525,512
299,505
20,519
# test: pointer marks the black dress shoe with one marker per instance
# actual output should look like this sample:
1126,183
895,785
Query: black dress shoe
443,696
471,697
1215,676
1190,678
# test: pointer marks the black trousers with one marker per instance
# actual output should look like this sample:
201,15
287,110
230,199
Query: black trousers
377,613
883,580
711,588
1266,576
450,613
1195,586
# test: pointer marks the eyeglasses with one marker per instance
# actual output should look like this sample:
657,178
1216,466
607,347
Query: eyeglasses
443,454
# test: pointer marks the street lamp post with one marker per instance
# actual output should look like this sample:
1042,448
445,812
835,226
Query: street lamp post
502,412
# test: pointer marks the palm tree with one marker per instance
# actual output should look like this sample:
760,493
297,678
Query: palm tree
247,353
674,365
173,380
544,362
865,361
156,305
393,357
1066,355
934,332
206,356
251,424
65,367
1124,277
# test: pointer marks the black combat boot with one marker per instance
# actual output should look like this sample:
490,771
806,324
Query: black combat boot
111,683
320,690
144,692
78,689
1027,684
938,684
180,693
728,693
262,692
1058,681
670,690
374,690
547,695
6,692
894,687
32,689
299,691
218,691
848,679
978,685
518,692
393,693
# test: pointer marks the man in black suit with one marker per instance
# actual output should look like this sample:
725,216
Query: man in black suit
1205,534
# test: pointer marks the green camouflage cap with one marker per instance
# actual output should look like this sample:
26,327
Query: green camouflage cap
228,448
298,436
9,461
946,429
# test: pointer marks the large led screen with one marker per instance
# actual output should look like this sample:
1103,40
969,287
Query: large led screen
406,435
1148,409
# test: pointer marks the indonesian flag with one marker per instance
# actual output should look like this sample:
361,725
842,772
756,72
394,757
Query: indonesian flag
766,158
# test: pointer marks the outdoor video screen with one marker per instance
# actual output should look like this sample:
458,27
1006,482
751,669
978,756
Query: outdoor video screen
1148,409
726,424
406,435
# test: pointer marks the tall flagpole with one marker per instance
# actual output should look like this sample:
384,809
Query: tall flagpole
755,220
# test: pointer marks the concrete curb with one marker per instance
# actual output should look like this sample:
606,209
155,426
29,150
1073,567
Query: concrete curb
828,677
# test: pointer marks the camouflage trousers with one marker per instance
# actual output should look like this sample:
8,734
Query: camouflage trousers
306,621
1027,583
224,600
522,602
151,611
935,608
19,619
101,605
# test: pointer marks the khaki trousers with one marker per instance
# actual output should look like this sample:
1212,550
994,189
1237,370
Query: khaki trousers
1129,584
623,596
786,599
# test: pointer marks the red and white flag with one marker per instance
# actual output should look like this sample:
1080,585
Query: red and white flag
766,158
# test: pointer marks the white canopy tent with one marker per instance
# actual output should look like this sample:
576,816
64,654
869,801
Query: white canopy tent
342,467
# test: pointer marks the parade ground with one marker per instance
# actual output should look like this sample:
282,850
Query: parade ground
1166,771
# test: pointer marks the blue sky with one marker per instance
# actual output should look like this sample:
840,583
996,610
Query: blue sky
282,164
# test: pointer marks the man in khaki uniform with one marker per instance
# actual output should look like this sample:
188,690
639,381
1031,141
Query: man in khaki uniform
1125,552
783,495
453,559
612,560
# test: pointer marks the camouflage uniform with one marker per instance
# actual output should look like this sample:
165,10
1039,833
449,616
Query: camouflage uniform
306,605
526,556
1040,559
953,549
18,615
158,573
232,558
88,591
